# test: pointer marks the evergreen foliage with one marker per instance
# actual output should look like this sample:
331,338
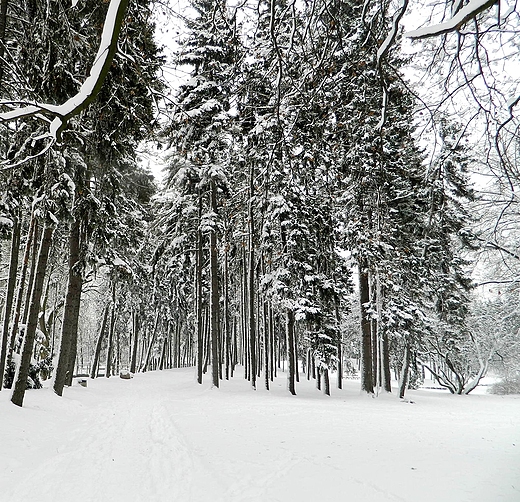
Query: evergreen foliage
294,186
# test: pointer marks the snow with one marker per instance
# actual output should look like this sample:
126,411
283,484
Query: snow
88,87
469,11
162,437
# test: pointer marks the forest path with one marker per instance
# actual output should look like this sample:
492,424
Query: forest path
160,437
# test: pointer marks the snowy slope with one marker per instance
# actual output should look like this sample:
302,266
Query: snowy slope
161,437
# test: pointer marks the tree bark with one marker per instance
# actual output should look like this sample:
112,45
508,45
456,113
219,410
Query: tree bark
99,343
326,381
385,357
198,299
227,330
32,270
367,382
21,286
110,344
251,285
403,382
135,334
30,331
340,366
151,344
11,285
3,26
267,344
69,327
291,369
214,304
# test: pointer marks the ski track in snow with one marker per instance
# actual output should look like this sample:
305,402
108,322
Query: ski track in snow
162,438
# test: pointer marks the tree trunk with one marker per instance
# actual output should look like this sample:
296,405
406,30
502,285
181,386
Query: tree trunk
340,366
326,381
135,340
30,282
267,345
214,304
151,344
99,343
163,353
291,369
21,285
3,25
30,331
69,327
251,285
272,365
198,299
227,331
403,382
111,328
367,382
11,285
385,358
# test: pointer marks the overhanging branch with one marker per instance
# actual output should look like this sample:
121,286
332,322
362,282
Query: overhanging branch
88,91
467,13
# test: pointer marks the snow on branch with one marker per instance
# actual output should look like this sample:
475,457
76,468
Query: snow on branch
468,12
88,91
390,38
382,53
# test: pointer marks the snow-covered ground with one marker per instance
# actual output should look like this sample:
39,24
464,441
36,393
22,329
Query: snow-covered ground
162,437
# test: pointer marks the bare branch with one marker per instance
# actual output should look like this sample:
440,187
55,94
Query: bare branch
467,13
92,85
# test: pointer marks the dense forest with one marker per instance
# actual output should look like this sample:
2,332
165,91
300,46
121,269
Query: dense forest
337,200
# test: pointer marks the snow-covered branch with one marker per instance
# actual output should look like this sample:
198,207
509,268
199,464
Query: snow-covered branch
88,91
467,13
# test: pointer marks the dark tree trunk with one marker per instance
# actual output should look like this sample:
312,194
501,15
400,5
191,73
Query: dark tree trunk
198,300
326,381
291,369
32,270
151,344
69,327
403,383
340,366
3,25
111,328
227,331
21,285
375,352
9,296
214,304
267,345
30,331
163,353
135,340
272,365
110,343
367,382
295,352
99,343
251,285
385,357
